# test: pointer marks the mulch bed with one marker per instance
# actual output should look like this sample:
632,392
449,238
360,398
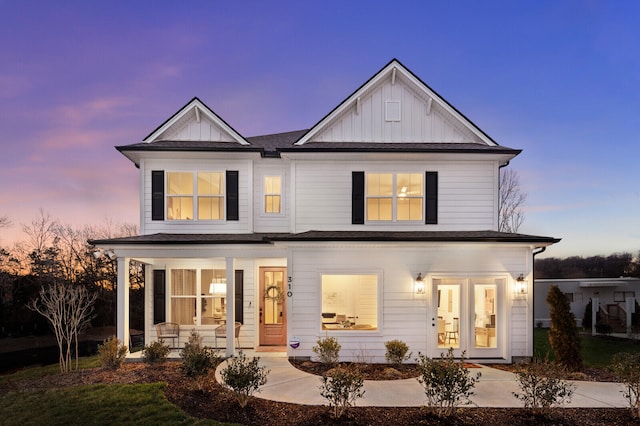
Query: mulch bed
216,402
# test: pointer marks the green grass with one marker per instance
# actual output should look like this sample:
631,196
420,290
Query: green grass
48,370
596,350
95,405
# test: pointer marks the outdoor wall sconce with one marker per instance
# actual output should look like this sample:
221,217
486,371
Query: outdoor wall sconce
419,284
521,285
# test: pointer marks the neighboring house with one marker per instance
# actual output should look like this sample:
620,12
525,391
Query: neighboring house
612,294
378,223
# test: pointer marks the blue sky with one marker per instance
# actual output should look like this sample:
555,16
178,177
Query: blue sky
558,79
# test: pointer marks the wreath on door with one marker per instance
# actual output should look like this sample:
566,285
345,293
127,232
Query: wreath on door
273,292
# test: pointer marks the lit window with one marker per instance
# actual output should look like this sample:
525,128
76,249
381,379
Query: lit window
349,302
405,203
181,203
179,196
272,194
210,196
187,294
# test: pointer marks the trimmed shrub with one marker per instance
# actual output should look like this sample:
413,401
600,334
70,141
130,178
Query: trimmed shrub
244,377
328,350
626,366
563,334
342,386
112,353
541,385
198,360
155,352
447,383
396,351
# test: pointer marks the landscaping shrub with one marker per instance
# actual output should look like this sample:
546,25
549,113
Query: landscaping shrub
198,359
396,351
341,387
563,334
541,385
155,352
112,353
244,377
328,350
627,367
447,383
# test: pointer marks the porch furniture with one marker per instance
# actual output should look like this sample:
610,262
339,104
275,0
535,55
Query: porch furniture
168,330
442,330
453,334
221,332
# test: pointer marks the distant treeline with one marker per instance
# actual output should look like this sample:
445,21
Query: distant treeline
612,266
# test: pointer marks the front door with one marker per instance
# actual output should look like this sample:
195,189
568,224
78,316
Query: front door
448,295
273,313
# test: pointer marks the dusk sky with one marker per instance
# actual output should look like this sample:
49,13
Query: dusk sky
559,79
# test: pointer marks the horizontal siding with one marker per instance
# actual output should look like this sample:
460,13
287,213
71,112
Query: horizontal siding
241,226
404,316
466,197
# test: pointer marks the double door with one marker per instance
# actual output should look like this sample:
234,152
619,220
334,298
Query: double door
467,316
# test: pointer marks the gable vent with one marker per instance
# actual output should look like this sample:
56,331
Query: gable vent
392,111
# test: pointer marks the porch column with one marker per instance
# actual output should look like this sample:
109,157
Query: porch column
122,308
231,307
595,307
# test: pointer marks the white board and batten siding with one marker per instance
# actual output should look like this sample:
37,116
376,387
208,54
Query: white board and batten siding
395,113
402,314
467,192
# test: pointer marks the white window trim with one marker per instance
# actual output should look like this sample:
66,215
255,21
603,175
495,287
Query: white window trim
345,332
394,199
194,196
263,208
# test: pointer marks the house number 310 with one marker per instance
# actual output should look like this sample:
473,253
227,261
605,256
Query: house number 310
289,286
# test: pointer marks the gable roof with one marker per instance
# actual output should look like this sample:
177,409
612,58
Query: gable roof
397,91
195,122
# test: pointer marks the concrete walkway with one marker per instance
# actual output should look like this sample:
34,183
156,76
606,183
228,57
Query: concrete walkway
286,383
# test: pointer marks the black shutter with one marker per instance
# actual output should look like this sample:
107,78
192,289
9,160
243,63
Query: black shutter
232,195
157,195
357,198
159,283
431,210
239,295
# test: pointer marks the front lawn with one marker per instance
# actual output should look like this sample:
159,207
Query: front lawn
596,350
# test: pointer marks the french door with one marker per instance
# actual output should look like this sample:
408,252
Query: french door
468,316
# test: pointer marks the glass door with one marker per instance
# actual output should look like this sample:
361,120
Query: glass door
448,299
273,319
487,317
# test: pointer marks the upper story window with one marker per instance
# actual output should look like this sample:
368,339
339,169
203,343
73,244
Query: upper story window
181,199
273,194
394,197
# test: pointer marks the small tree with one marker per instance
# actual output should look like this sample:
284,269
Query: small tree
155,352
244,377
68,309
541,386
447,383
627,367
563,335
341,388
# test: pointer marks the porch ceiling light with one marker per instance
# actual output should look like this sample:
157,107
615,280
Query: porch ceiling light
521,285
217,288
419,284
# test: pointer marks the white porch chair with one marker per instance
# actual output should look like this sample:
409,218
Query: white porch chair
168,330
221,332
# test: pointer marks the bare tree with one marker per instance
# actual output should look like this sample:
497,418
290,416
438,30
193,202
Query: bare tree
68,308
4,221
511,214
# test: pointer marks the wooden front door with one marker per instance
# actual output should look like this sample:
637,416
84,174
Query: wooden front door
273,312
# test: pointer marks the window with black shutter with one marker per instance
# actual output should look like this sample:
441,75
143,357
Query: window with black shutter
357,198
431,199
233,212
157,195
159,295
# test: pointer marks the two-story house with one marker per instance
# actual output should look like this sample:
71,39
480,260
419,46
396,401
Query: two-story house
378,223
